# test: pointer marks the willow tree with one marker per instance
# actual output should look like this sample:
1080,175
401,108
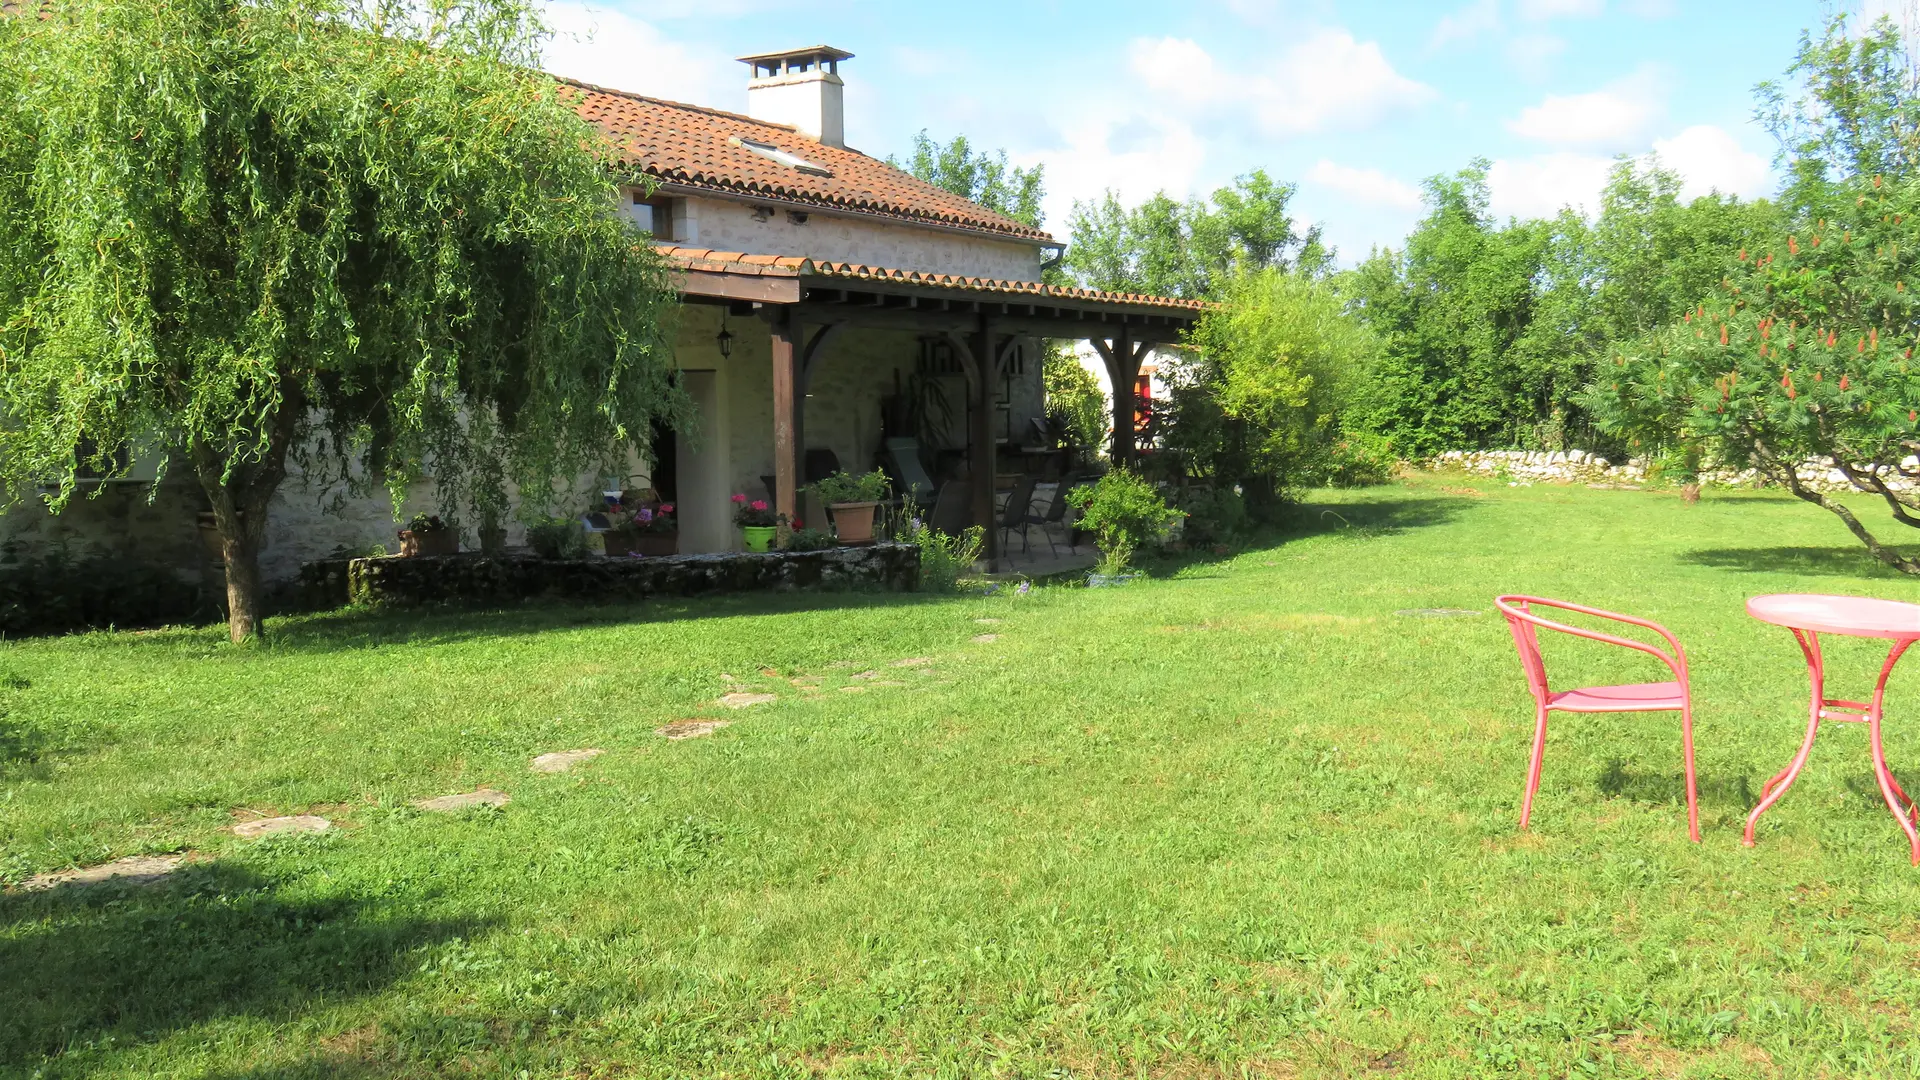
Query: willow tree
365,238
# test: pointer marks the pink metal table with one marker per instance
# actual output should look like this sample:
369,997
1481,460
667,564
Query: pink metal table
1809,616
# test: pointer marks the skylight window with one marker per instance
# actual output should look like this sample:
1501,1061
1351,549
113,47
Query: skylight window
792,161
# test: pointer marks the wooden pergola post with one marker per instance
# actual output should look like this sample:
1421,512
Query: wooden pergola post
789,398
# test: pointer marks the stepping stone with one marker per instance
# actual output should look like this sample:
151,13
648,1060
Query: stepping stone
991,622
691,729
985,639
448,804
274,826
563,760
865,675
724,677
740,699
770,673
132,870
914,661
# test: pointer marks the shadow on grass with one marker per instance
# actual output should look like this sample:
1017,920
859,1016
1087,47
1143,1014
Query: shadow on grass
131,964
1834,561
1619,781
1304,521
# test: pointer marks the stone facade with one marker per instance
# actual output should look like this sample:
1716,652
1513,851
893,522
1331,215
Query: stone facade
480,579
764,229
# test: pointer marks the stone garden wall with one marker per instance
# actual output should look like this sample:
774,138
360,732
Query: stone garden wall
510,579
1580,467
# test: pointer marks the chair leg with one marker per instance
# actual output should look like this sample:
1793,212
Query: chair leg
1693,790
1533,770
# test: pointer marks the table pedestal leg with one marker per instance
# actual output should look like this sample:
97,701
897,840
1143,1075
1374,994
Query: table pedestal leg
1889,787
1777,786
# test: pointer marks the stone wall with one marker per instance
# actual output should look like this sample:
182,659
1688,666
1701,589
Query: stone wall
510,579
1580,467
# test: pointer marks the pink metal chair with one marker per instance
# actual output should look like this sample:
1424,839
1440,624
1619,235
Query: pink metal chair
1674,696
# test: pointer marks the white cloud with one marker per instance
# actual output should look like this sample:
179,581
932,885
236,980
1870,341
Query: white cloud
1711,159
1466,24
1707,158
1329,78
1542,10
1370,186
1612,118
615,50
1541,186
1534,54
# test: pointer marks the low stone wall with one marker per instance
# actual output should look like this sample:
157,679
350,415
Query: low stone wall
510,579
1580,467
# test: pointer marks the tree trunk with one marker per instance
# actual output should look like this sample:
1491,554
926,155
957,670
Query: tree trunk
240,494
1786,474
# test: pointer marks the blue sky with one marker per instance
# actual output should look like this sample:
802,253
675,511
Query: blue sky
1354,102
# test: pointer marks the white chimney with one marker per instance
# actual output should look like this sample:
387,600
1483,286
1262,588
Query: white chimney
800,87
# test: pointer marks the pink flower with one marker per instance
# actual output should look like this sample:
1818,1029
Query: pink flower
759,504
739,498
666,508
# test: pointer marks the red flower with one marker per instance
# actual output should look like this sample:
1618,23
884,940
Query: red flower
666,508
758,504
739,498
1793,246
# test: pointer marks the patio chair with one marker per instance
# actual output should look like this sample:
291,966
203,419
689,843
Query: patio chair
1056,515
914,482
953,510
1674,696
1018,512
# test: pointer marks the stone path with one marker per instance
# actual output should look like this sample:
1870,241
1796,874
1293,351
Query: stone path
449,804
563,760
914,661
691,729
132,870
996,622
273,826
985,639
740,699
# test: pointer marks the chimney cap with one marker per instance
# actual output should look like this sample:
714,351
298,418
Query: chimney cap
825,54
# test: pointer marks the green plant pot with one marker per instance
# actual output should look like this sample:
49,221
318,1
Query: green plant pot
759,537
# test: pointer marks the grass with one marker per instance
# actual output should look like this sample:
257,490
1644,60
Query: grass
1242,819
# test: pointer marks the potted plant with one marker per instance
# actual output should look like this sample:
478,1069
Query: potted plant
426,534
1123,512
756,520
644,530
852,500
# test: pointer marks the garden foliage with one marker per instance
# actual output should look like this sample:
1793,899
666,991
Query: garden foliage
369,240
1124,513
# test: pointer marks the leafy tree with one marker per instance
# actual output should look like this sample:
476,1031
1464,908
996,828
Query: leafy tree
1189,249
1805,351
1074,398
979,176
1258,402
369,240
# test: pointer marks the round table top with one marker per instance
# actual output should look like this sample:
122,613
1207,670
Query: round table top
1860,616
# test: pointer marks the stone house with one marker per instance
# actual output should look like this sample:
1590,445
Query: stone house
830,302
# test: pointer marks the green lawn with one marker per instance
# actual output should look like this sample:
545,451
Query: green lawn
1240,820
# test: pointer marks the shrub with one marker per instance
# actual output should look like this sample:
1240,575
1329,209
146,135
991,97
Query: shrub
557,538
1214,516
809,540
1124,513
944,558
1359,459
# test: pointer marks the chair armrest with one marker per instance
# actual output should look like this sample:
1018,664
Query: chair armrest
1515,607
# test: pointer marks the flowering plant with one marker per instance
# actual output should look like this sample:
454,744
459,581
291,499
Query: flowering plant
753,513
642,519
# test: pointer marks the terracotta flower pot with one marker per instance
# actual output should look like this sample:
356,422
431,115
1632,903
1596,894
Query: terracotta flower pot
657,543
853,522
759,537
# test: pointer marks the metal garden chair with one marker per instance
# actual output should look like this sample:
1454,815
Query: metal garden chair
1672,696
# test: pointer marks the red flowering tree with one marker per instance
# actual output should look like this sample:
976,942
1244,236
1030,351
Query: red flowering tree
1806,353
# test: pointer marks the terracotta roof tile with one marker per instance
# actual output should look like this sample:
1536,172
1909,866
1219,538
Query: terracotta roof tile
797,266
698,147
